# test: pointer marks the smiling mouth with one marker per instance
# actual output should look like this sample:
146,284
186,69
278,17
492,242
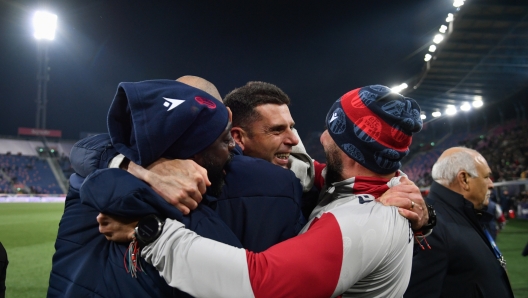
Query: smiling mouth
282,156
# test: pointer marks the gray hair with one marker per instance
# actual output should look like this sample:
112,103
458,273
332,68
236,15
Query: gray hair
446,169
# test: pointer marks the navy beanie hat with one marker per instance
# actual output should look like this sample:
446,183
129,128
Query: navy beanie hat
163,118
374,126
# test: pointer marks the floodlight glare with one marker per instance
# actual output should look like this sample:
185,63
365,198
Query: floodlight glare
477,97
458,3
427,57
436,114
438,38
450,17
432,48
443,29
451,110
44,24
465,107
398,89
478,103
422,116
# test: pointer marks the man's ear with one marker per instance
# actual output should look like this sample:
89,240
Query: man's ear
462,179
239,135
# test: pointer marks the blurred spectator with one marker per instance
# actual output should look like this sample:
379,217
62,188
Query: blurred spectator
27,174
494,219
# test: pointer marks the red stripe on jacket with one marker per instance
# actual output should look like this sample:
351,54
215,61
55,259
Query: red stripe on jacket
307,265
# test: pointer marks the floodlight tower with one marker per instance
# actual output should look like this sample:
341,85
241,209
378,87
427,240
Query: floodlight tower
44,24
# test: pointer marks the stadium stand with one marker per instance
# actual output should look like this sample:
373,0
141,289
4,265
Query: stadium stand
504,146
33,166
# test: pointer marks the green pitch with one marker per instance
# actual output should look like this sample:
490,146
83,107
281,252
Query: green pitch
511,241
28,233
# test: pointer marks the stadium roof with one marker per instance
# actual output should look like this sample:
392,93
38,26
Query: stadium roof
484,55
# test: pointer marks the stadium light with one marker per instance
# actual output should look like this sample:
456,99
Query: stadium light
44,24
458,3
432,48
451,110
438,38
478,103
398,89
443,29
450,17
465,107
422,116
436,114
427,57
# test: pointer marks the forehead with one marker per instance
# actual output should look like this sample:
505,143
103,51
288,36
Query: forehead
482,164
274,114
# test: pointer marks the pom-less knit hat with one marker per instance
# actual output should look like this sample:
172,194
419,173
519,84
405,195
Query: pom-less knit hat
163,118
374,126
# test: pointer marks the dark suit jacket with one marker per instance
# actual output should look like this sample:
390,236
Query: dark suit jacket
3,269
461,261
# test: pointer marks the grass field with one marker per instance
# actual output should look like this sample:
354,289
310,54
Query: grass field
28,232
511,241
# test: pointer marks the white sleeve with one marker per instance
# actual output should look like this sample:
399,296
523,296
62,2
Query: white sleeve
116,161
194,264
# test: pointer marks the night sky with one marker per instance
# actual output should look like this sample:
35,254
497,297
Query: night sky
314,51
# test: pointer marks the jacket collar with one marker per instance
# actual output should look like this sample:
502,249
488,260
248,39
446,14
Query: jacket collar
458,204
438,192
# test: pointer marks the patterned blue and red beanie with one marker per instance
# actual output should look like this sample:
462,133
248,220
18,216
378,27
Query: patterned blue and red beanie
163,118
374,126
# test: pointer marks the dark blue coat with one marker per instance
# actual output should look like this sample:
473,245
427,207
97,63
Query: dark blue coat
85,264
461,261
260,202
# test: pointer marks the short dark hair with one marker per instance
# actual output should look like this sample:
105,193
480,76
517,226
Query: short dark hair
243,101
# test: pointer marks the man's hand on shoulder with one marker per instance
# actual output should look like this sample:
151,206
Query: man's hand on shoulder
408,198
179,182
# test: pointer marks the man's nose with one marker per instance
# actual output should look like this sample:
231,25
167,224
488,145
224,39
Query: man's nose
291,138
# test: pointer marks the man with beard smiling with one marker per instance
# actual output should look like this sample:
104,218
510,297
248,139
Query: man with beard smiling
147,120
351,244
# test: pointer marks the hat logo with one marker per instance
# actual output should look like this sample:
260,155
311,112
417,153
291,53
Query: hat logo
416,115
397,134
368,128
337,123
353,152
367,97
380,88
172,103
206,102
383,158
394,108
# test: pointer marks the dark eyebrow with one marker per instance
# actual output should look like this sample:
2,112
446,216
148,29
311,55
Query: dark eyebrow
277,127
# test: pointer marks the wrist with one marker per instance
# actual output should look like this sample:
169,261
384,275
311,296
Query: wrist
138,171
148,229
431,223
124,164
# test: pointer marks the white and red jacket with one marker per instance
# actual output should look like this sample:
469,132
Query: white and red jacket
353,244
